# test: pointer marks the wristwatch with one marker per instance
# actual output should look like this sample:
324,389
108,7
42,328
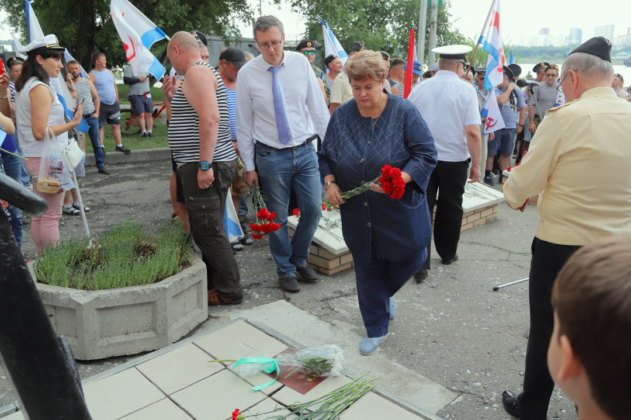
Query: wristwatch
327,184
204,166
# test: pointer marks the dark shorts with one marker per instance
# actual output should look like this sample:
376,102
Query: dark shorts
141,104
109,114
503,143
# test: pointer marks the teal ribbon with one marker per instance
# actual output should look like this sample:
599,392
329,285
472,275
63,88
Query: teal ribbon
268,365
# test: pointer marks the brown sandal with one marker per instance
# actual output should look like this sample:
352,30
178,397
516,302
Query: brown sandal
217,299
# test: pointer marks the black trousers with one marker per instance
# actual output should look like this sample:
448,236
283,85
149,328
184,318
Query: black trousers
205,213
444,193
547,260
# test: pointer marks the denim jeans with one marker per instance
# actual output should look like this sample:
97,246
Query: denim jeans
93,131
12,166
282,170
25,178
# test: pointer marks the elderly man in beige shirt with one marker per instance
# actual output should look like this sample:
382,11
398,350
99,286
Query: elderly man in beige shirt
580,166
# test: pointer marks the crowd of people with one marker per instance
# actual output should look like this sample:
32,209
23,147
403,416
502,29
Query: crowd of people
301,134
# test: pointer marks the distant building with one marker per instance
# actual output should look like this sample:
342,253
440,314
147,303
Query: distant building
605,31
626,39
576,36
543,38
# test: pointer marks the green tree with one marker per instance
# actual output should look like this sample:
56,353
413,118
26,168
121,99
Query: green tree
85,26
381,25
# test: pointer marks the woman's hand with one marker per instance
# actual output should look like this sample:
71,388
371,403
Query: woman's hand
333,195
376,188
78,114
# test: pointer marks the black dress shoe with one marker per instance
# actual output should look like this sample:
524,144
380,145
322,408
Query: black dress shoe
420,275
450,260
307,274
289,284
510,402
103,171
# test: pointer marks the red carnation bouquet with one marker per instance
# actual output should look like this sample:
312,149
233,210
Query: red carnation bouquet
390,180
264,218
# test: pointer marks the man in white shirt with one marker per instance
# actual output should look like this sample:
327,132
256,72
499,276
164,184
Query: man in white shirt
449,106
280,112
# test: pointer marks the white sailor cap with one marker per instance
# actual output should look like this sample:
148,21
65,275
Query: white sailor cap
48,42
453,52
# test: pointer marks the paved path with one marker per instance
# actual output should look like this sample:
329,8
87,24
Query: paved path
453,329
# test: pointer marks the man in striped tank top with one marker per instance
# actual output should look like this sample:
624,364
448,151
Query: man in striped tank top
199,138
280,112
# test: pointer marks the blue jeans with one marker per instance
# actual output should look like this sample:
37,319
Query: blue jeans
12,166
281,170
24,176
93,132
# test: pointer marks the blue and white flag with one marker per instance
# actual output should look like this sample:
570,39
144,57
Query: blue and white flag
491,112
138,34
492,43
33,28
231,223
331,45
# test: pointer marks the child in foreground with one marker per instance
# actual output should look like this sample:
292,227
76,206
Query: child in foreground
589,356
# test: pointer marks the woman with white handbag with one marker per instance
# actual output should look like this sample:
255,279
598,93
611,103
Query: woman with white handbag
42,130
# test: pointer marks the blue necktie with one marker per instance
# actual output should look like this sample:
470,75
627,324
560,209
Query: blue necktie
282,124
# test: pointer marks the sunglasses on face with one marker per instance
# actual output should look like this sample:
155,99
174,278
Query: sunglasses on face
308,52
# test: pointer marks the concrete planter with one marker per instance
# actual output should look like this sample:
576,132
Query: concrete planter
117,322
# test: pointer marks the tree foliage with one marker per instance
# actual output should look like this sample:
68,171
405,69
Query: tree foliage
85,26
381,25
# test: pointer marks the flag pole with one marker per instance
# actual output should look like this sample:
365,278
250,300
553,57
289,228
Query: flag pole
407,87
486,24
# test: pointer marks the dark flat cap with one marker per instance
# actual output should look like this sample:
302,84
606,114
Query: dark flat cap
357,46
234,56
306,43
14,60
200,37
512,71
540,67
515,69
598,46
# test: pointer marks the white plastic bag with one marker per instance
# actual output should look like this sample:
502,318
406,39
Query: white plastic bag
53,170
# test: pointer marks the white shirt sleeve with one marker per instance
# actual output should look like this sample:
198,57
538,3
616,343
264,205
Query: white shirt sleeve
317,106
245,120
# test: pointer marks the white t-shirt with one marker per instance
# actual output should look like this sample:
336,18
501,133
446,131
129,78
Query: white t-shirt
31,147
447,104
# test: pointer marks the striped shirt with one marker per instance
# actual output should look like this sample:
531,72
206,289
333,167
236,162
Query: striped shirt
14,92
184,127
232,109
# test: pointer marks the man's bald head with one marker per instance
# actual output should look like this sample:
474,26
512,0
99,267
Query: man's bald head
184,40
183,51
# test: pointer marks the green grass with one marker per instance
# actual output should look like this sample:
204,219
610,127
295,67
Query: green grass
135,141
125,256
156,94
